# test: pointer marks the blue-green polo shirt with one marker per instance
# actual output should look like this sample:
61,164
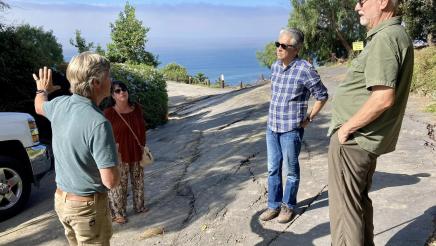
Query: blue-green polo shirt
83,143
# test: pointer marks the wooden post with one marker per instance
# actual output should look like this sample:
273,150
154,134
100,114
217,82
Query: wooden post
222,80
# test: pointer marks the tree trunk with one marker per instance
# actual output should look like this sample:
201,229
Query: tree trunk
344,42
338,32
430,39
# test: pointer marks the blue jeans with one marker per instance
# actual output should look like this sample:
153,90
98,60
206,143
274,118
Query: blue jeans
283,151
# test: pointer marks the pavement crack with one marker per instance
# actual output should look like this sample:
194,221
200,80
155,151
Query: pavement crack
184,106
221,213
430,145
231,123
245,163
278,234
188,193
259,198
182,187
228,175
431,134
431,131
313,200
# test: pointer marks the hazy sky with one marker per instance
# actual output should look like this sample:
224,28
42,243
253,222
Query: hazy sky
174,24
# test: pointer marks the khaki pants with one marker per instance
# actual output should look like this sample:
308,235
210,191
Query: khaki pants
350,176
85,222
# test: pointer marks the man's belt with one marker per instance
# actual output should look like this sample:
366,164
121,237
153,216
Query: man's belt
73,197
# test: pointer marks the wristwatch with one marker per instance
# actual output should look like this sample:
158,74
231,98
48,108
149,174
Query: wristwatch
41,92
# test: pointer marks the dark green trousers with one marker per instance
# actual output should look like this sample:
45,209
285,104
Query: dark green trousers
350,176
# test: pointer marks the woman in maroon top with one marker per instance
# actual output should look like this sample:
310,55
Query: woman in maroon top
130,150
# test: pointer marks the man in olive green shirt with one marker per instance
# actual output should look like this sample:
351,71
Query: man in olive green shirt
368,110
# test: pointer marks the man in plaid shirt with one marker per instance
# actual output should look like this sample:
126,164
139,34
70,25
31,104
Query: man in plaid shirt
293,80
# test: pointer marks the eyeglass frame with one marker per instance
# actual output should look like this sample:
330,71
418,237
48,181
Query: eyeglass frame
284,46
118,90
362,2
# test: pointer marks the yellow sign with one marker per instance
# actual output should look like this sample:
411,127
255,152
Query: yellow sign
358,45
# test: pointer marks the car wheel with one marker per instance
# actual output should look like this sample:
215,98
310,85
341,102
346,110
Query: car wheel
14,188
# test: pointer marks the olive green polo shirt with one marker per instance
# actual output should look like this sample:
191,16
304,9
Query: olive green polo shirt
386,60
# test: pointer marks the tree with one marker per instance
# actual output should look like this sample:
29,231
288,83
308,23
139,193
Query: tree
129,37
201,77
419,17
329,27
23,50
80,43
99,50
3,5
176,72
42,46
268,56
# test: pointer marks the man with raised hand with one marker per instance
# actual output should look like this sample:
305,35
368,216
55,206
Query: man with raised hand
84,148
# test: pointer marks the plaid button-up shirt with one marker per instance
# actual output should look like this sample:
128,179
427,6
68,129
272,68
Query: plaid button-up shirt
291,88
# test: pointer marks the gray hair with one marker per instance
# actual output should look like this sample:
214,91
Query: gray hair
297,36
83,68
395,5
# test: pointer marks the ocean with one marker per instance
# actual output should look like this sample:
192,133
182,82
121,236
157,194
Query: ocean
236,64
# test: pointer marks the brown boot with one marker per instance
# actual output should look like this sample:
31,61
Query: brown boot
269,214
286,215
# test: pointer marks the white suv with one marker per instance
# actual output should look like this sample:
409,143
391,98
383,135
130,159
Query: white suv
23,160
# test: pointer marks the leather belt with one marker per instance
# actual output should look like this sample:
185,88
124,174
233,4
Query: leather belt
74,197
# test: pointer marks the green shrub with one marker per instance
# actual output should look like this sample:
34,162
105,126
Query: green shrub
424,72
431,108
199,78
175,72
23,50
147,87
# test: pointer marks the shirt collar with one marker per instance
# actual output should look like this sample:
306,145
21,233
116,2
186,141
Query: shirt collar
389,22
290,64
81,99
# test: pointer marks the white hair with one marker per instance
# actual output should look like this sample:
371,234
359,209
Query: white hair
297,36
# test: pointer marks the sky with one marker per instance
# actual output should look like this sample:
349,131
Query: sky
174,24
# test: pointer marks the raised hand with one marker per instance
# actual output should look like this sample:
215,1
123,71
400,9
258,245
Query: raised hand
44,82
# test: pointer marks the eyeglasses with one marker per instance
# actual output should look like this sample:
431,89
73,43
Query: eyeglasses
361,2
118,91
284,46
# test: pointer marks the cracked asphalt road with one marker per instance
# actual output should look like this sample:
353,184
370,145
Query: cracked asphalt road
208,184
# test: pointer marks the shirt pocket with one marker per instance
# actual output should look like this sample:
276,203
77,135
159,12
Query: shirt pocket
357,65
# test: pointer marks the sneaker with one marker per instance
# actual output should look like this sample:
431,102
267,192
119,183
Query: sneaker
269,214
286,215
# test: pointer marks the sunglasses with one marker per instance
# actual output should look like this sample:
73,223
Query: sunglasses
284,46
361,2
118,91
